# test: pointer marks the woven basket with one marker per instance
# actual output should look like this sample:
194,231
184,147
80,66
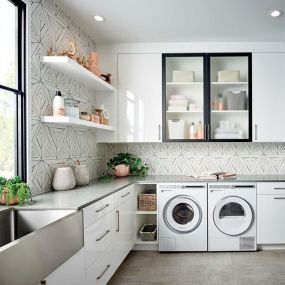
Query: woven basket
148,232
147,202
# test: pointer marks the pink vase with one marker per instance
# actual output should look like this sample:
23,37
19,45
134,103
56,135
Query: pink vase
122,170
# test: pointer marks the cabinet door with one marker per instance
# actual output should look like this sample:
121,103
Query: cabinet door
268,73
139,97
72,272
125,234
270,219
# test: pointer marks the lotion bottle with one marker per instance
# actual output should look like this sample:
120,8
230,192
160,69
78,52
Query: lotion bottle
192,132
58,104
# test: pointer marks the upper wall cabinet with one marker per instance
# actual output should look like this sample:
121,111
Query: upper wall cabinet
268,83
207,97
139,97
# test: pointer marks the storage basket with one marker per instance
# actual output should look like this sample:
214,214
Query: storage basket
176,129
147,202
236,100
148,232
229,76
182,76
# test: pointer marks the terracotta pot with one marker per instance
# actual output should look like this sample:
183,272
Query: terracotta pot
3,200
122,170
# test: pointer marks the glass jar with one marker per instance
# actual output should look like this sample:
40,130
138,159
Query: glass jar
71,108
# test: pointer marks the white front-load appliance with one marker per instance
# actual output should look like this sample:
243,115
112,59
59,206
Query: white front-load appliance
182,217
231,217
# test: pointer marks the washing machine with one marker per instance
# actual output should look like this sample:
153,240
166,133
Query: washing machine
231,217
182,217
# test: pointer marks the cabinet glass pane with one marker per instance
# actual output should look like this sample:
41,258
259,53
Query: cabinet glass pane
229,97
184,98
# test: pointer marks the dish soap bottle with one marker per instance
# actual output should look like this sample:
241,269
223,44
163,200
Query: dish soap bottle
58,104
192,132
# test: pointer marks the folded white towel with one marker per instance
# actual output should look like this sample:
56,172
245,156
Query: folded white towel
177,108
177,103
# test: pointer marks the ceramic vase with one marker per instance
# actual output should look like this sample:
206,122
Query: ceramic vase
81,174
63,179
122,170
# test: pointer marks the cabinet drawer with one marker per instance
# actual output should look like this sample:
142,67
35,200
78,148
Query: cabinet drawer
124,195
274,188
270,219
97,210
100,272
98,237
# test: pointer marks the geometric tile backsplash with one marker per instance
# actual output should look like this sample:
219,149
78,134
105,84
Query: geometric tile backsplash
54,146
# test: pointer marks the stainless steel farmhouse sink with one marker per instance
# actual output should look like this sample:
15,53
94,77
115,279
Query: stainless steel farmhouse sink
33,243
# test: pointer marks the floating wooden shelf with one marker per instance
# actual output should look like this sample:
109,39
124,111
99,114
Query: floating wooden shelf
71,68
68,121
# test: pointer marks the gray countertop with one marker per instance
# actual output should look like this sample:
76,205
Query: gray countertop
96,190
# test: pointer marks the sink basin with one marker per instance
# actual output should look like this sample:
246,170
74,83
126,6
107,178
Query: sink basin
33,243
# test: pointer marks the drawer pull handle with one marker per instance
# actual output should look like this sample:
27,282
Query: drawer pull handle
279,198
105,270
118,221
103,235
279,188
99,210
126,195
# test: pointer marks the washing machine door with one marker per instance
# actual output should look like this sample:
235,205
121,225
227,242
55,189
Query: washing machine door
233,216
182,214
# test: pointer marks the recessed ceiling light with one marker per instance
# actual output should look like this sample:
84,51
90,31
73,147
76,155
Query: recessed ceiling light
275,13
99,18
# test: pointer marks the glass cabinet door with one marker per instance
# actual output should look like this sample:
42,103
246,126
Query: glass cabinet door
183,97
230,97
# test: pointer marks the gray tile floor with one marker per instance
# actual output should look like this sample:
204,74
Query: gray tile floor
239,268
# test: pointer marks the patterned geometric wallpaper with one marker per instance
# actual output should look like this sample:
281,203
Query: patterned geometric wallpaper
191,158
52,146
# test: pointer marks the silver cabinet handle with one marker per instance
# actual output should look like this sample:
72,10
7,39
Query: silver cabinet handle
159,132
103,235
279,188
279,198
208,131
255,132
101,209
105,270
118,221
126,195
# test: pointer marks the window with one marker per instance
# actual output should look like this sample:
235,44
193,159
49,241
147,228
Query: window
12,89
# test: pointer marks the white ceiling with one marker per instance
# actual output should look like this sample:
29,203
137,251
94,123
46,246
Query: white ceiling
179,20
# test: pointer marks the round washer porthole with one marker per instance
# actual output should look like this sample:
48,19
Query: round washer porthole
233,216
182,214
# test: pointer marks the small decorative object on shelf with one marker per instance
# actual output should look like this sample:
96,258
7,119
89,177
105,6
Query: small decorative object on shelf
128,164
147,202
92,63
58,104
101,112
14,191
148,232
85,116
106,77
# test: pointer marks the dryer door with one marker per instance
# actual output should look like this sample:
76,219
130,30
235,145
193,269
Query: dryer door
182,214
233,216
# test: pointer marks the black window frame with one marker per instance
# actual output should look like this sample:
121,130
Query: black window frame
20,92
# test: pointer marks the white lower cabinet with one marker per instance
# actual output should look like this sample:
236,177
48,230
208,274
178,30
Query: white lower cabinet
270,213
72,272
109,239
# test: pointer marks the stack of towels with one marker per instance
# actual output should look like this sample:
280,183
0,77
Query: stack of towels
227,130
177,103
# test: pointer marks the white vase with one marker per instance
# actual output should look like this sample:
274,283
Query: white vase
81,174
63,179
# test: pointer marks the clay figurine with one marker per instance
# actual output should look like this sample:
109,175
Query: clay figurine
106,77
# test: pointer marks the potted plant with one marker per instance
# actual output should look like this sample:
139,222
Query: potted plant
124,164
14,191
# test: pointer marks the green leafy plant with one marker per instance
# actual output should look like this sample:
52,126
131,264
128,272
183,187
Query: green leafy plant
136,166
14,188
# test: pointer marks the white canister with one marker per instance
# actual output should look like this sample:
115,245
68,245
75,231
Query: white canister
63,179
81,174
